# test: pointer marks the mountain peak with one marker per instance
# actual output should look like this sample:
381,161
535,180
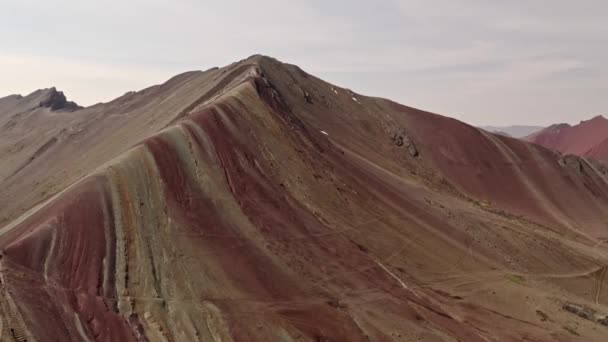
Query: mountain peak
256,58
265,62
597,118
558,126
54,99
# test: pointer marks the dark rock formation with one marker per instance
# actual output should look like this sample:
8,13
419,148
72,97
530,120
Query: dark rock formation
56,100
586,313
402,140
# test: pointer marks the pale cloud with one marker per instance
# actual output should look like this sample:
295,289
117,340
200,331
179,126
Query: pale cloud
500,62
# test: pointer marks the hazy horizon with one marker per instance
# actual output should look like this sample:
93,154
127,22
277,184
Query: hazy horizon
485,63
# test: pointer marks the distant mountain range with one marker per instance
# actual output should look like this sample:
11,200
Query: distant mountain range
517,131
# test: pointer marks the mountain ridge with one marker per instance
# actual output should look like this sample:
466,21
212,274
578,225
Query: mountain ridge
257,201
584,139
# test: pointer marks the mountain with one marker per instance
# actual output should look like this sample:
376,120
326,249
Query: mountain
588,138
513,131
256,202
502,133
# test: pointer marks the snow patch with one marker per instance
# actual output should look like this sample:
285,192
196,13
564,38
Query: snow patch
324,132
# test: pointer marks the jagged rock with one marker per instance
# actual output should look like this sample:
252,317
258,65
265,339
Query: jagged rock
586,313
398,140
543,316
306,96
572,162
56,100
575,309
402,140
579,310
411,148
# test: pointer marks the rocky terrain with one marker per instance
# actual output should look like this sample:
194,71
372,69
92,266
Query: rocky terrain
256,202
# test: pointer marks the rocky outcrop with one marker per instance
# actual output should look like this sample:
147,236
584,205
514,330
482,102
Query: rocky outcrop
402,140
586,313
572,162
56,100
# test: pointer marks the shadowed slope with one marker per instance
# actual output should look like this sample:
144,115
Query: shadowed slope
283,208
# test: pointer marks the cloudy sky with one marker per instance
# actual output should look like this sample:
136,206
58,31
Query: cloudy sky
484,62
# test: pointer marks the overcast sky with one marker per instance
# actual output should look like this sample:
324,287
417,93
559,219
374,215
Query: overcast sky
484,62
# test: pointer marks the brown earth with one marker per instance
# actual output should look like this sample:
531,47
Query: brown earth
256,202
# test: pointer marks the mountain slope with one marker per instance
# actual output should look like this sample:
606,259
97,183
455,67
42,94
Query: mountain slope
275,206
585,139
44,150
